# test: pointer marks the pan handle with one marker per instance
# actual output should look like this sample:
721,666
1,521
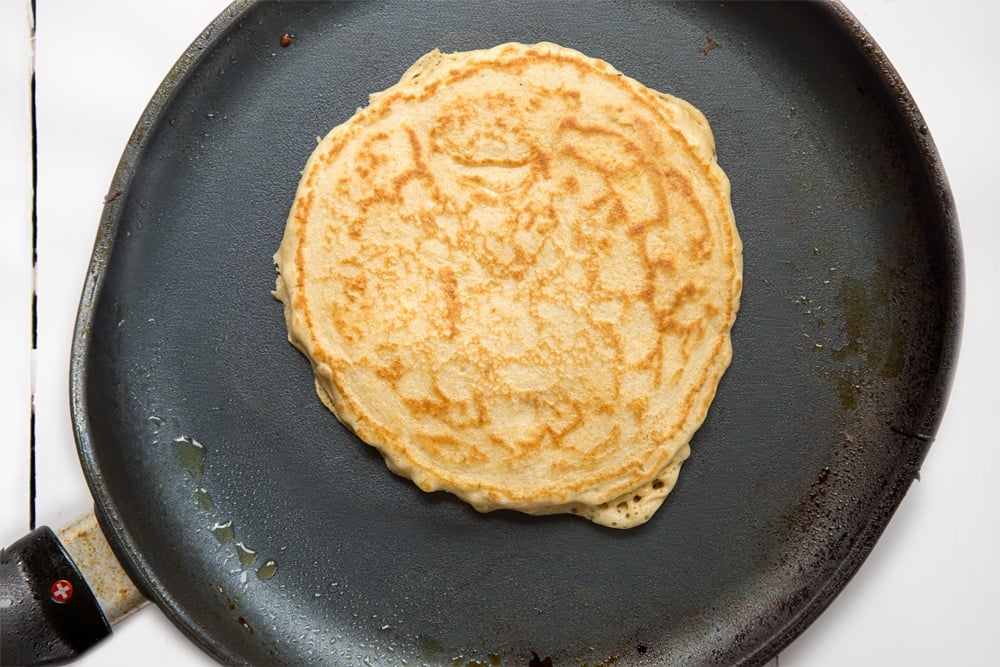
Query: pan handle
59,595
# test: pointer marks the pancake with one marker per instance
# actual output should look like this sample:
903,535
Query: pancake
515,273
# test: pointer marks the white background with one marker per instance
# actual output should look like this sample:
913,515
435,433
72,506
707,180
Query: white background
930,592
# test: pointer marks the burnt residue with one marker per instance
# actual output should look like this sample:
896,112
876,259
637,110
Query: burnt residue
710,45
818,487
539,662
245,624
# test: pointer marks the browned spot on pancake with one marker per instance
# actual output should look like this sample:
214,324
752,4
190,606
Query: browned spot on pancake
453,308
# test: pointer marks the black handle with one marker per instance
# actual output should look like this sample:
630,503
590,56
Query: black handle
47,611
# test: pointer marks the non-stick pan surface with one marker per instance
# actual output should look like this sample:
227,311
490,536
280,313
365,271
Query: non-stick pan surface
270,534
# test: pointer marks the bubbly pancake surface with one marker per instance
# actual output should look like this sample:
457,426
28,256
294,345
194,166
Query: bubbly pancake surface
515,273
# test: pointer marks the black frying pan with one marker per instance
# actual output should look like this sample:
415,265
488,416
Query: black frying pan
843,351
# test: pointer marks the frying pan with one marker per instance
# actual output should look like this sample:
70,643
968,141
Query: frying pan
843,352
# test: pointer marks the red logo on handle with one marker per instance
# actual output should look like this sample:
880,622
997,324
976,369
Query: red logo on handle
61,591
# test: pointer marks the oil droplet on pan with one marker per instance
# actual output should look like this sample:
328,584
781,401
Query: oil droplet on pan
224,532
247,555
267,570
492,660
204,500
191,455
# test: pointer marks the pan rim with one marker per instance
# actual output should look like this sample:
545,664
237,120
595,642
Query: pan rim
121,541
896,490
135,563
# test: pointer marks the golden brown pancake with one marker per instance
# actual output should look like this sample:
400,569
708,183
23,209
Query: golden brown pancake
514,273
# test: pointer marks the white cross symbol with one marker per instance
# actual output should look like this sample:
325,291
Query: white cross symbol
61,591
